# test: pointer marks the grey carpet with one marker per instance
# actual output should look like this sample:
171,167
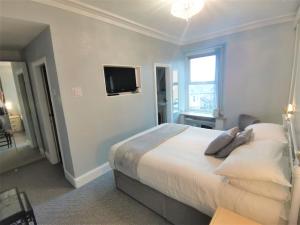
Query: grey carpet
14,158
40,180
20,153
56,202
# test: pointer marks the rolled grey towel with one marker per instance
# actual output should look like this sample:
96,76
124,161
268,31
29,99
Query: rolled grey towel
221,141
240,139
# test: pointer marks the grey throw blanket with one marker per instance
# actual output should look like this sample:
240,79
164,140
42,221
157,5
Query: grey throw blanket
128,155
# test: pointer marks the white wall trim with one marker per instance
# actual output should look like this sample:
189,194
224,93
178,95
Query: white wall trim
78,182
88,10
108,17
245,27
70,178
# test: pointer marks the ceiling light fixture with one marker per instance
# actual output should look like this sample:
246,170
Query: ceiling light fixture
185,9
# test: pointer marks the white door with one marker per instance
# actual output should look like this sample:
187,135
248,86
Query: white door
46,118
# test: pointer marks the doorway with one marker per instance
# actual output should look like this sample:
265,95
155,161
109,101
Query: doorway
163,96
46,116
50,107
25,104
18,136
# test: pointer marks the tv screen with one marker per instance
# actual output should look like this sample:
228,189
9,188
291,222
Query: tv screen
119,79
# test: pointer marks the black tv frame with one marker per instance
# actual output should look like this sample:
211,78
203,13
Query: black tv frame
112,93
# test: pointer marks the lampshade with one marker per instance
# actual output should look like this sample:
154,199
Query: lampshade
8,105
185,9
290,109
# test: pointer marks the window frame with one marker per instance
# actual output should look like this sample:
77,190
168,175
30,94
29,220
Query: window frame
218,51
178,87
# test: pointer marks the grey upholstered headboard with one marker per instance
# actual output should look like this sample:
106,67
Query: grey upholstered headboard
246,120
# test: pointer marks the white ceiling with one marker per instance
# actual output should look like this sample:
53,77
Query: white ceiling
216,16
17,34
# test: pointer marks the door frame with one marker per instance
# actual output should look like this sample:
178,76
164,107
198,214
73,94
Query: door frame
169,94
53,156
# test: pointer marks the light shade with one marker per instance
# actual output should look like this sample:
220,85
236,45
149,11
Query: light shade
8,105
185,9
290,109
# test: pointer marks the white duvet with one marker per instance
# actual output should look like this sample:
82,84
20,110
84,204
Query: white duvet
179,169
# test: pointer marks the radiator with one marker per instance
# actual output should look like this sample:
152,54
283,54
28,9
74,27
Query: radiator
200,122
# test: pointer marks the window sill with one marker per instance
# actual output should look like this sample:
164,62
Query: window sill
200,115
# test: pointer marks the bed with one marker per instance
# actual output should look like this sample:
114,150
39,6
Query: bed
177,180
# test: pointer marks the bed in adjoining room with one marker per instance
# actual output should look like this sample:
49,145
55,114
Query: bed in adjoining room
166,169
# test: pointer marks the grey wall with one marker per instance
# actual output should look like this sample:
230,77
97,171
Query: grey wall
41,47
258,65
81,45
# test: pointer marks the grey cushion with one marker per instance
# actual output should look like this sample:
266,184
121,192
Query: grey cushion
246,120
221,141
240,139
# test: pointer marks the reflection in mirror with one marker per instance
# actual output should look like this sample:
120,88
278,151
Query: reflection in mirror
18,145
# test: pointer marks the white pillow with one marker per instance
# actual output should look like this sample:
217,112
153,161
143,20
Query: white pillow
268,131
258,160
266,189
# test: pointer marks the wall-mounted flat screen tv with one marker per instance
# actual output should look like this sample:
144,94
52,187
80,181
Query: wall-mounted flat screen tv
119,79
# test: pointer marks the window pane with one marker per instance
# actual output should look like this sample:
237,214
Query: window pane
175,76
202,98
175,98
203,68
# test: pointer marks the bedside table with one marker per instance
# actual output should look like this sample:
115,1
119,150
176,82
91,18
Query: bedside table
226,217
16,123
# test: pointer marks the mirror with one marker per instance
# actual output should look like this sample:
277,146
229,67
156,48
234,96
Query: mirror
18,122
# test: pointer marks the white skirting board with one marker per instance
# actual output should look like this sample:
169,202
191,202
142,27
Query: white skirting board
78,182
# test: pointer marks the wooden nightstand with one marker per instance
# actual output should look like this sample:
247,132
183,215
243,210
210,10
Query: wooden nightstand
16,123
226,217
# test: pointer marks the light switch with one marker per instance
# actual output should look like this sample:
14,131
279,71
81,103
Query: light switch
77,91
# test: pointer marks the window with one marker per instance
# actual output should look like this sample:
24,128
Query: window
203,83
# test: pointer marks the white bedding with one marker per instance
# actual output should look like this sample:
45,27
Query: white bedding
179,169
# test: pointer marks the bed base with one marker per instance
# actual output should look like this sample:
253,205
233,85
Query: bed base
172,210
